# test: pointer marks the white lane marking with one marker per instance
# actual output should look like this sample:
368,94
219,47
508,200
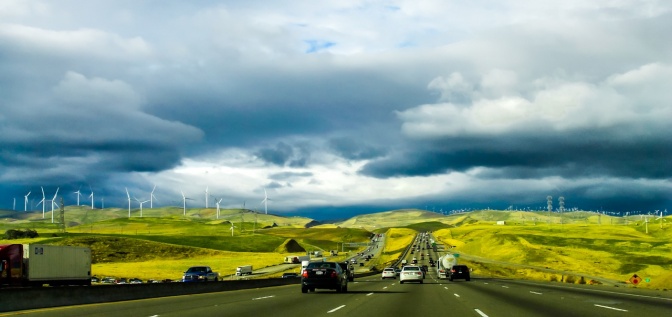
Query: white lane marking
456,295
446,287
385,287
480,312
536,293
369,294
263,297
485,283
335,309
614,308
154,316
504,286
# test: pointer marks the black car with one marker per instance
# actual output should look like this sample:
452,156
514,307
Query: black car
350,270
324,275
290,275
459,272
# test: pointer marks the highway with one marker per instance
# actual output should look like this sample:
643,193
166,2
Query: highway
375,297
372,296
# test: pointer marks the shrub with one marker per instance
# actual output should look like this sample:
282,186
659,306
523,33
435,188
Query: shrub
570,279
20,234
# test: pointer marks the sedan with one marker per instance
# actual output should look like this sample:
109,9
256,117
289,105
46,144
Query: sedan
324,275
389,273
411,274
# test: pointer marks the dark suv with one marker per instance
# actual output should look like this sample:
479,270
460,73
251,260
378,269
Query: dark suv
459,271
324,275
349,269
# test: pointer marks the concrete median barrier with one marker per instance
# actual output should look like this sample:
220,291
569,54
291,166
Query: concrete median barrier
14,299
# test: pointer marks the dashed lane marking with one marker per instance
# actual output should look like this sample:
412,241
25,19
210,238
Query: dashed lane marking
607,307
536,293
335,309
263,297
456,295
480,312
504,286
369,294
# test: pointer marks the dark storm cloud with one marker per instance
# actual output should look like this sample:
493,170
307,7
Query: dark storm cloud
356,149
289,176
283,154
588,153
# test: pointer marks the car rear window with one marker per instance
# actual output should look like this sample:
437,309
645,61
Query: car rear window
411,268
321,265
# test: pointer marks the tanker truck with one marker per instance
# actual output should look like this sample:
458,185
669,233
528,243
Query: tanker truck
38,264
444,264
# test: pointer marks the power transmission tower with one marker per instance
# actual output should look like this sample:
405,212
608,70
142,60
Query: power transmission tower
549,203
62,217
561,202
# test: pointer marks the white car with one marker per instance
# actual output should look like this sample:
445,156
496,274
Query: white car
411,273
389,272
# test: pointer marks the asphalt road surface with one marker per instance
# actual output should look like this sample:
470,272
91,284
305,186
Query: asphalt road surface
372,296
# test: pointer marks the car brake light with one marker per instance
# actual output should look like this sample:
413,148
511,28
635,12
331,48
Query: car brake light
334,274
305,273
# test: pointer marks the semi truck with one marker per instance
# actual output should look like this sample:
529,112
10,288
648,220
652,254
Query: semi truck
244,270
295,259
444,264
39,264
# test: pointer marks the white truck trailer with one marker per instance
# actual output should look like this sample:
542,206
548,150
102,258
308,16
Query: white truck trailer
444,264
38,264
244,270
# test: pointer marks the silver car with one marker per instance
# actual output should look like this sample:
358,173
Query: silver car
389,273
411,273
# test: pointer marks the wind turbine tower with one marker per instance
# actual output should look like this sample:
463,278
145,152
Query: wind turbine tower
206,197
53,202
129,202
151,198
91,196
217,203
25,202
79,193
265,201
42,201
140,202
184,203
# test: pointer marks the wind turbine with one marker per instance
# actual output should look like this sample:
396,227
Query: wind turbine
206,197
129,202
102,203
53,202
661,219
265,201
14,206
151,198
184,203
232,228
91,196
140,202
217,203
79,193
42,201
25,201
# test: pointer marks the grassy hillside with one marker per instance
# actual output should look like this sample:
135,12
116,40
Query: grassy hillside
612,251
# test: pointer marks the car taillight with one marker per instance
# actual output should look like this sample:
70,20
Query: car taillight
334,274
304,273
452,270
